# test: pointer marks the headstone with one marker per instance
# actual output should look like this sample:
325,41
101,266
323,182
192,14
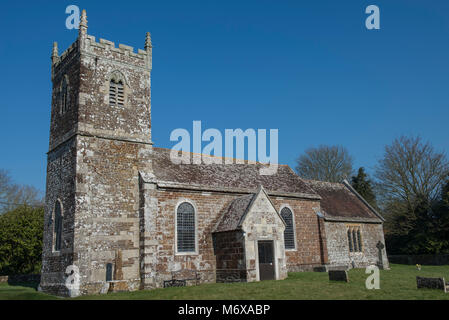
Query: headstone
338,275
431,283
322,268
380,246
105,288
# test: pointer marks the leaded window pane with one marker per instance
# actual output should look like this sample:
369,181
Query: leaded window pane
359,240
351,248
354,239
185,227
289,235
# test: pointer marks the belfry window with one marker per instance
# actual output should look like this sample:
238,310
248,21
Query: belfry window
185,228
57,227
289,233
116,93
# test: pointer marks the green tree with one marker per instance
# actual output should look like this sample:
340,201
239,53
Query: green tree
410,178
362,184
21,240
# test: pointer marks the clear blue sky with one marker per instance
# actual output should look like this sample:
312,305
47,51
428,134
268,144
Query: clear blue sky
308,68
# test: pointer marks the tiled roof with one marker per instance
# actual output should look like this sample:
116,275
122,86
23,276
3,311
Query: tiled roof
233,213
238,176
339,202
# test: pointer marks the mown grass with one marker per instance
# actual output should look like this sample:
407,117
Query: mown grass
397,283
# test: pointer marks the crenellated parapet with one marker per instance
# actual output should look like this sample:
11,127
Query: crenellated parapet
87,44
105,48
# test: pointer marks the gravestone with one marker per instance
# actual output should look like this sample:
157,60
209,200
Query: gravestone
380,246
431,283
338,275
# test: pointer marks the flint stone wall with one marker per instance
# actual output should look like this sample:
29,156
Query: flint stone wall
338,246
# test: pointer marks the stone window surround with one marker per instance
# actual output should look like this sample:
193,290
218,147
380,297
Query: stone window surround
53,234
117,76
191,253
286,205
358,228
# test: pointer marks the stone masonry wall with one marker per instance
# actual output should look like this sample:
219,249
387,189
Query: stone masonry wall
160,258
60,187
159,254
263,223
311,250
103,147
338,247
229,249
107,215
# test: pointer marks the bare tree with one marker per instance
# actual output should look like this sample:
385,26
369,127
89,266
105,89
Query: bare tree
13,195
411,170
325,163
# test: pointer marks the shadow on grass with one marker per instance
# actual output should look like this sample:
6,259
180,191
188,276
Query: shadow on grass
33,285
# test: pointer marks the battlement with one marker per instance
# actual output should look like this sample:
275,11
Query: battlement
87,43
109,45
73,47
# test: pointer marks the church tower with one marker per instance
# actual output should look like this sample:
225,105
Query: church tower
100,138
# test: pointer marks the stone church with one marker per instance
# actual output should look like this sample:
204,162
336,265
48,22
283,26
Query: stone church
128,218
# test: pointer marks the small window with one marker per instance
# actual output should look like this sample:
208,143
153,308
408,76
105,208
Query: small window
289,233
57,228
351,248
359,240
109,272
354,239
64,96
185,228
116,93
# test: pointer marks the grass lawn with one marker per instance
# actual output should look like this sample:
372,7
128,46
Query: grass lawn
397,283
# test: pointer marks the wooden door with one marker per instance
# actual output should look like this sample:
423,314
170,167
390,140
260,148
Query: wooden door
266,260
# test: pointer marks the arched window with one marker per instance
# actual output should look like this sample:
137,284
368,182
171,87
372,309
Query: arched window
289,232
57,228
116,93
185,228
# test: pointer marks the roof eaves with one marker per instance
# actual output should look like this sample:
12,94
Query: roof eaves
201,187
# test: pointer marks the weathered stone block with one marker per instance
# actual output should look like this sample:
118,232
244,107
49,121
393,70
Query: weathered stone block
431,283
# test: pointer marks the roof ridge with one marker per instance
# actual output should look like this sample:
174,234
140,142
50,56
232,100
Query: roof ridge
224,158
324,182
